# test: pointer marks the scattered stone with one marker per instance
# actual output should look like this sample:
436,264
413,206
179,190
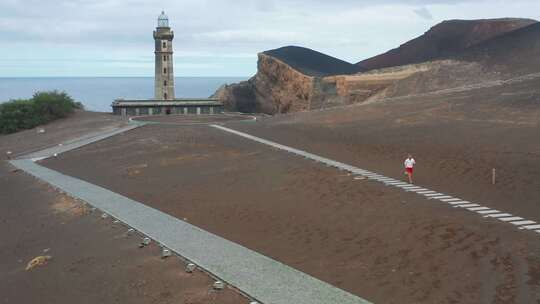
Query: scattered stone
145,242
46,250
55,154
40,131
165,253
130,231
190,267
104,216
116,221
38,261
218,285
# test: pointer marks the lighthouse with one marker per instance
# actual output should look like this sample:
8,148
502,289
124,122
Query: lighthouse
164,101
164,79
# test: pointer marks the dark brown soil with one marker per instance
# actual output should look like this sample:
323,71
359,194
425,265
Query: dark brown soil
93,260
377,242
457,139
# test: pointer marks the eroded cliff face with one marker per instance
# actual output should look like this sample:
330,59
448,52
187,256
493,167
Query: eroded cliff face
276,88
409,79
280,87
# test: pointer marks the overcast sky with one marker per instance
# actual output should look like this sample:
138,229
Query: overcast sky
212,37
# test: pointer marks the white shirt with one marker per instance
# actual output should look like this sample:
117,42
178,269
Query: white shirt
409,163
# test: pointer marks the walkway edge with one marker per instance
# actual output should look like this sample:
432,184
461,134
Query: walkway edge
486,212
260,277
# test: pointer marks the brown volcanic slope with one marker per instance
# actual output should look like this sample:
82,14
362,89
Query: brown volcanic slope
463,53
312,63
445,39
516,52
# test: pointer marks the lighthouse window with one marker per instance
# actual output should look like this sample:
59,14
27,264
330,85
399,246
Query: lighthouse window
164,57
164,70
164,82
164,44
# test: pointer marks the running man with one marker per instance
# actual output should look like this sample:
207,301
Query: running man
409,166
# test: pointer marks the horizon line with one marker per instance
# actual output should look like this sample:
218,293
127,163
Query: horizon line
21,77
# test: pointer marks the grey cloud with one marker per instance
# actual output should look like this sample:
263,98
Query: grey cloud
424,13
348,29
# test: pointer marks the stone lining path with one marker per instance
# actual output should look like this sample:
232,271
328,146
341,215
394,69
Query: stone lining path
258,276
455,202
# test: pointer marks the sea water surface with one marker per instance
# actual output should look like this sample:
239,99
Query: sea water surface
97,93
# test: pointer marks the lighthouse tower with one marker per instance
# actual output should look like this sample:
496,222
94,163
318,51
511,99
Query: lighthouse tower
164,80
164,102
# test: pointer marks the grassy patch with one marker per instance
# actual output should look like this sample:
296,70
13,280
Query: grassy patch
43,107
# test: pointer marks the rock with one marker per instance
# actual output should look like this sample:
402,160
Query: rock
276,88
165,253
218,285
145,242
190,267
38,261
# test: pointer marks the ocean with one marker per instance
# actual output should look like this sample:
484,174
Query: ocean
97,93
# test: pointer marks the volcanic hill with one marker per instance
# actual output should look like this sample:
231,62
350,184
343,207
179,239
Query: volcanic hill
445,39
515,53
312,63
452,54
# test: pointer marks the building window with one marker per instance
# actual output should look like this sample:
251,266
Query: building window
164,57
165,82
164,44
164,70
164,95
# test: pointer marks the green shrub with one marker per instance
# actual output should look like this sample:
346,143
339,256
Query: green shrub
42,108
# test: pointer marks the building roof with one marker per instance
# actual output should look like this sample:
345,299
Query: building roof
164,103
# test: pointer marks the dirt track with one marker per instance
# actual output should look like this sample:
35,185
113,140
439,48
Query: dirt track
377,242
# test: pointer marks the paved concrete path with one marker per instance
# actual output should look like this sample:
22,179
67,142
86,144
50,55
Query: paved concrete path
260,277
486,212
80,142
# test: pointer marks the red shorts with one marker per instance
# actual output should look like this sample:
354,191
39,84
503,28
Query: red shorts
409,170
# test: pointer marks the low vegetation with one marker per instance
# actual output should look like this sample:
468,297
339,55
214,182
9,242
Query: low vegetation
43,107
